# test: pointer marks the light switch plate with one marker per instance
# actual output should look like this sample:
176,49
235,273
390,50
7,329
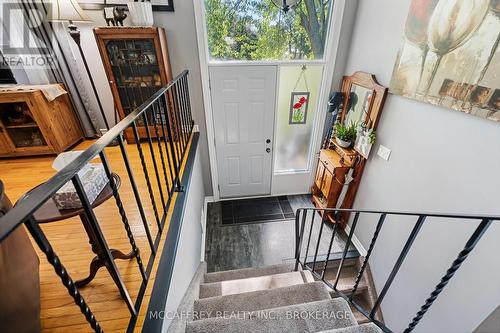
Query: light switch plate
384,152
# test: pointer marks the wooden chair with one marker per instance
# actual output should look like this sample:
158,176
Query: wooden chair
19,279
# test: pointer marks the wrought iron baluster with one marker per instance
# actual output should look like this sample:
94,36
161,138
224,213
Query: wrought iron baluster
191,122
399,262
180,113
105,252
325,266
42,241
173,148
187,132
297,231
178,117
123,215
309,238
160,148
153,158
469,246
178,126
367,257
170,159
298,248
346,248
173,128
319,241
146,174
136,193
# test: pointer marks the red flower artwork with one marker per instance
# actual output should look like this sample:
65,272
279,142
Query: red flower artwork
299,108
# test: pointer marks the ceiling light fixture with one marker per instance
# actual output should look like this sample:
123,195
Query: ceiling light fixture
285,5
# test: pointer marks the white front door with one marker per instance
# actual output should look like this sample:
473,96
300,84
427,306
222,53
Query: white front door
243,102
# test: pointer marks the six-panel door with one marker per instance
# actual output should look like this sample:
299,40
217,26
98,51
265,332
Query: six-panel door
243,102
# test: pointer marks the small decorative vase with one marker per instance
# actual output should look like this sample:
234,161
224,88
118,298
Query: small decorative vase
141,13
342,143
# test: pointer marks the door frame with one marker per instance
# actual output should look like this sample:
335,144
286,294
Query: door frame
333,66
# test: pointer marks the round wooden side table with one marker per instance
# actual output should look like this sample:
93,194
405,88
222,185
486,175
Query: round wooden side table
49,213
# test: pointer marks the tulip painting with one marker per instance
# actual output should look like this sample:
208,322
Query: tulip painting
298,108
417,24
451,41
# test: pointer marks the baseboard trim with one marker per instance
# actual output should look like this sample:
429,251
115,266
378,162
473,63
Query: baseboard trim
357,244
203,223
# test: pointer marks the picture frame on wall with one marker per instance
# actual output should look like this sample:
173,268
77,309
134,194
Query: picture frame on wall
299,105
363,144
158,5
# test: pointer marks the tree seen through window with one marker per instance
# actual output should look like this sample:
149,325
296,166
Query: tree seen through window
258,30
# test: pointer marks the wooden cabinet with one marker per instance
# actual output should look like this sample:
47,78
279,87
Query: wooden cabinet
31,125
137,65
330,178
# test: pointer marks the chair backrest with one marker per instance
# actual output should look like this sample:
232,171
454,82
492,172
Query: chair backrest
5,204
19,278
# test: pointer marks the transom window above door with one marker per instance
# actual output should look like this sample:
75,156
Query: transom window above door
258,30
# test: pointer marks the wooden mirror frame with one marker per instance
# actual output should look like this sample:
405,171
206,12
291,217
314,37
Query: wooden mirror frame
369,82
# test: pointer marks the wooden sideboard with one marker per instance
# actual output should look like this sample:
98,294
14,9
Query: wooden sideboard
32,125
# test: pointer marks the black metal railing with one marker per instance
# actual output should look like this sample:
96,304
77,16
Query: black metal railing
168,112
305,261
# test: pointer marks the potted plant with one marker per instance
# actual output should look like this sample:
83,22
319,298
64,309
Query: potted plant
141,13
345,135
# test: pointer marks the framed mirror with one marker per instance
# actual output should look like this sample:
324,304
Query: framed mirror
364,98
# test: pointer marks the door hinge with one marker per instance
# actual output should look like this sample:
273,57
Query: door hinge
209,84
218,188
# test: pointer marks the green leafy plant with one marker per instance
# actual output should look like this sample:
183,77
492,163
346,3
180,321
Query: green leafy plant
372,136
346,133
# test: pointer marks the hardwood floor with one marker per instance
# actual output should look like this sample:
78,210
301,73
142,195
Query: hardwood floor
68,237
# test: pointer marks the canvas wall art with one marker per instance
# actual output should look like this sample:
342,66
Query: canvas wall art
449,56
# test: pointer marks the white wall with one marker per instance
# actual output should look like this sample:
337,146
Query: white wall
188,257
442,160
183,49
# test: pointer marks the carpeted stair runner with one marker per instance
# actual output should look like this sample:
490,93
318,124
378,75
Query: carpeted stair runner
262,299
305,317
269,299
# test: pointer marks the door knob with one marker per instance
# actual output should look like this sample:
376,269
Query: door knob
268,141
268,150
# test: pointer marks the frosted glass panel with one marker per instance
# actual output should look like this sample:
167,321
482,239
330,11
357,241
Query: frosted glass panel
293,139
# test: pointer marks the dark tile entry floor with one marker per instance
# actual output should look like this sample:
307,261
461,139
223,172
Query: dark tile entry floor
233,246
256,210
